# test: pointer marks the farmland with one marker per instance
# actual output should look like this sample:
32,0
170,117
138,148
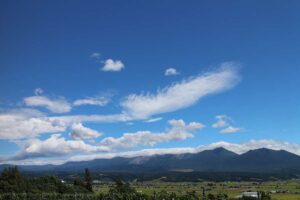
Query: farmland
280,190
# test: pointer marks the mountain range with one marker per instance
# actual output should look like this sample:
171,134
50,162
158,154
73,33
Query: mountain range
216,160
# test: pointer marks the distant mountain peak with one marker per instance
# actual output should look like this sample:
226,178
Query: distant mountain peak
221,151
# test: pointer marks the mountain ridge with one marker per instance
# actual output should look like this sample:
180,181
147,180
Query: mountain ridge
218,160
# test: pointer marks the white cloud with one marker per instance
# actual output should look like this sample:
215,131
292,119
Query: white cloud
181,95
95,55
230,129
29,123
71,119
222,121
154,120
38,91
81,132
225,122
59,105
113,65
179,131
95,101
171,72
54,146
26,123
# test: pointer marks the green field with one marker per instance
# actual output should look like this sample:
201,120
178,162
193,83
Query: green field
280,190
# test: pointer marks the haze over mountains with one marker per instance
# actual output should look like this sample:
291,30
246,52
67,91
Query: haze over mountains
216,160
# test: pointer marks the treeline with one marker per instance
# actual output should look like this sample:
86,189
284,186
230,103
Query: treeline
12,181
195,176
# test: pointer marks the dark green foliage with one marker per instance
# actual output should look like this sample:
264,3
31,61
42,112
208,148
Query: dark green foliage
48,184
219,196
79,186
264,196
12,181
88,180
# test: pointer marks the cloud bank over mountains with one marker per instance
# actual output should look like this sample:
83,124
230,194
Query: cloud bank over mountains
238,148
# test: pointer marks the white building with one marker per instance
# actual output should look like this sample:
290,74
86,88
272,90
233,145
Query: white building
249,194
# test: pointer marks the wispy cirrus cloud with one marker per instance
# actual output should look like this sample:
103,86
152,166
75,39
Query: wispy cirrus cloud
183,94
230,129
95,55
225,124
222,121
94,101
57,105
151,120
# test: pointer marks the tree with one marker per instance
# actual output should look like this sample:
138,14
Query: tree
11,180
264,196
88,180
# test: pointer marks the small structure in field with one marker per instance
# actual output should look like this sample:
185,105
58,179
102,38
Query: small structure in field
248,194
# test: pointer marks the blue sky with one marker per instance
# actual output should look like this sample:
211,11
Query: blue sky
114,55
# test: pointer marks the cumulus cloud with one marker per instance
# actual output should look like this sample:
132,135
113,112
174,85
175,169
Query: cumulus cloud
113,65
29,123
59,105
171,72
55,145
183,94
81,132
179,131
26,123
94,101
